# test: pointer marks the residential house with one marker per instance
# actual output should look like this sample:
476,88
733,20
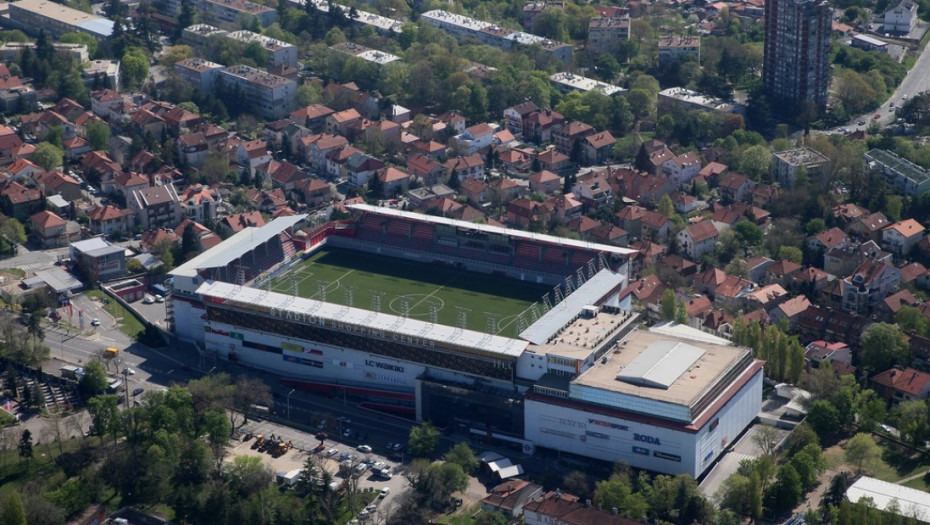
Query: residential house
780,272
251,154
763,194
514,162
193,149
593,190
539,126
832,325
811,279
475,138
842,261
466,167
827,240
425,169
569,137
656,226
818,352
869,227
564,208
554,161
789,164
359,168
610,234
698,239
313,149
56,182
871,282
596,148
523,212
910,273
10,145
887,309
900,18
282,174
312,117
558,508
505,189
156,206
756,267
75,147
848,212
684,203
902,236
514,116
336,161
237,222
510,496
199,203
476,192
545,182
790,309
19,201
393,181
683,168
713,171
314,192
124,183
109,219
24,170
52,231
898,384
434,196
735,187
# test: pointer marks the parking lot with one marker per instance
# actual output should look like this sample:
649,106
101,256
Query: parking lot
329,456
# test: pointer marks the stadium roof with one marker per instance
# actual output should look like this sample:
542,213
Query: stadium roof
236,246
910,502
590,293
661,364
571,243
332,314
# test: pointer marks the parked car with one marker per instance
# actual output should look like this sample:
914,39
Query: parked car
384,492
159,299
148,299
364,448
95,322
138,391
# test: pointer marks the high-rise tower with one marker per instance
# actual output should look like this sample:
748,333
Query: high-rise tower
796,67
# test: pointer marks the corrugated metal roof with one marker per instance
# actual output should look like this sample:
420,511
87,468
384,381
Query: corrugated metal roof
330,313
661,364
910,502
236,246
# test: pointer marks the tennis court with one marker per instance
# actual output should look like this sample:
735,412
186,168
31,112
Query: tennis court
428,292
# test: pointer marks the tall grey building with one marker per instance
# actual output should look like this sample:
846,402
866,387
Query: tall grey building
796,68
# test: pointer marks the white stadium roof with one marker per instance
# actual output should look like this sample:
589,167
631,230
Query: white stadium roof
236,246
561,314
334,315
571,243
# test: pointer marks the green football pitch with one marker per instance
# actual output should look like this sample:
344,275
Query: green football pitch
427,292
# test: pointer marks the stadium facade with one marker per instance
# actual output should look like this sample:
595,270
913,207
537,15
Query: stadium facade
580,378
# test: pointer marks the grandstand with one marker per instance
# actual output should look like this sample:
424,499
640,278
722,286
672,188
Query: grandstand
389,299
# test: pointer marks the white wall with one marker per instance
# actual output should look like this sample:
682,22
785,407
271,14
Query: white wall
617,439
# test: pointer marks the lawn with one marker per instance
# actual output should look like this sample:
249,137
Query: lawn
422,290
129,324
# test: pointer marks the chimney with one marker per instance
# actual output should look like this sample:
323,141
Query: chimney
613,511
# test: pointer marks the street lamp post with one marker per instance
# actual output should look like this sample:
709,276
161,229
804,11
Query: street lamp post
289,402
126,384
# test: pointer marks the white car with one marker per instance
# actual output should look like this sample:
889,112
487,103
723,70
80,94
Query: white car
129,371
95,322
148,300
159,299
384,492
364,448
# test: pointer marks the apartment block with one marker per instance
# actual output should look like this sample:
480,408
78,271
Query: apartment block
271,96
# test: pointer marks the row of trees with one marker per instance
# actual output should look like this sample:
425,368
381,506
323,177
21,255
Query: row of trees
783,354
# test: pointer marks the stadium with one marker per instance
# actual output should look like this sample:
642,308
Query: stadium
475,327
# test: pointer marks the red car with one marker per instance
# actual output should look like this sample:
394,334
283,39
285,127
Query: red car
877,116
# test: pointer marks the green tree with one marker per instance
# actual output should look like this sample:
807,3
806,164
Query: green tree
461,454
641,102
790,253
911,419
616,493
490,518
681,313
25,444
134,66
884,346
862,451
668,302
94,380
666,207
823,417
48,156
755,162
787,491
749,233
174,54
12,511
423,440
98,134
12,230
104,414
